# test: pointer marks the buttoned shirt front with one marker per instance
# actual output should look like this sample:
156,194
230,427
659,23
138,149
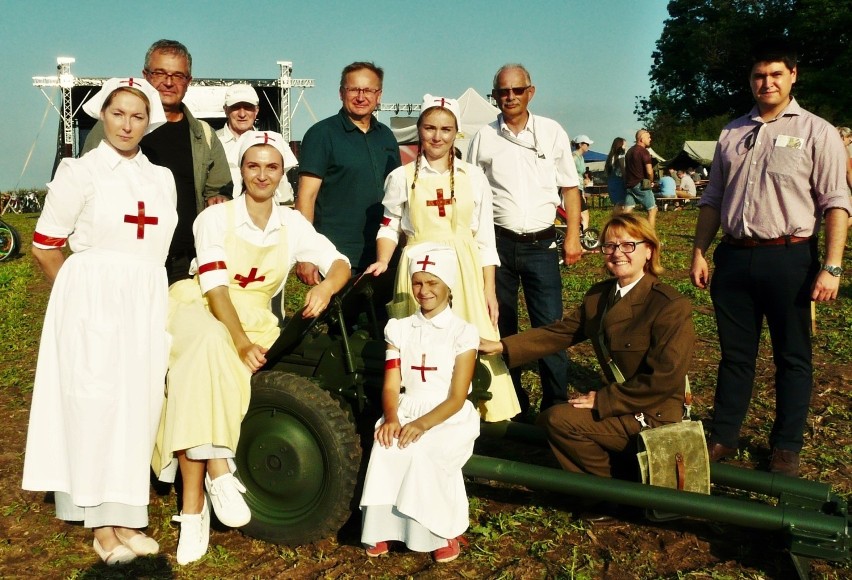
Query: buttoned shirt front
525,179
777,178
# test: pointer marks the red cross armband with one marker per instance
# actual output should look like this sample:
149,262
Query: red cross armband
48,241
392,360
211,266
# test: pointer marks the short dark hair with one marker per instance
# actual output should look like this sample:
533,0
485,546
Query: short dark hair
362,65
169,47
775,49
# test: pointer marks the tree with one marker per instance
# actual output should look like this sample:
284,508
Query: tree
700,66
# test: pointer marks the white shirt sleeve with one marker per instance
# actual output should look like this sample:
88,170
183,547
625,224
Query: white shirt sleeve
67,196
483,216
209,230
395,204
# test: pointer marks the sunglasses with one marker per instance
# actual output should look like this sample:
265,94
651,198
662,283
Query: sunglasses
517,91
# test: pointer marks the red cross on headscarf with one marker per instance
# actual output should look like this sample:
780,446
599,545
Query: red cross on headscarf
440,202
443,102
128,82
246,280
423,368
140,220
425,262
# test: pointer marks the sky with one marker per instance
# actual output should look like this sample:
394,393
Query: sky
589,60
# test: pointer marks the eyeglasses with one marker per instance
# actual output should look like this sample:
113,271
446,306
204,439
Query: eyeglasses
517,91
625,247
161,75
354,91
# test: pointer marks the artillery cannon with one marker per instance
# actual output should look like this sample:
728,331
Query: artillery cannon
300,448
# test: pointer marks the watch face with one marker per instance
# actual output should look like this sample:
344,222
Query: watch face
833,270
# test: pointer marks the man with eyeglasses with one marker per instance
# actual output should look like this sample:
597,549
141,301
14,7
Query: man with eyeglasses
342,168
528,161
185,145
776,173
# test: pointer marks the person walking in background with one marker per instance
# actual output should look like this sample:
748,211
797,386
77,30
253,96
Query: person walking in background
614,169
438,198
104,347
777,172
639,177
527,160
582,144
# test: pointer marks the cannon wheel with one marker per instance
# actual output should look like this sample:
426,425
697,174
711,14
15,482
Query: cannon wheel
298,456
10,241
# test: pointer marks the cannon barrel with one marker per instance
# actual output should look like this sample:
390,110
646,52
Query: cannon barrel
720,474
722,509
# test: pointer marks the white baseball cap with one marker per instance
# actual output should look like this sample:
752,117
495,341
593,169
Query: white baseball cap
582,139
241,94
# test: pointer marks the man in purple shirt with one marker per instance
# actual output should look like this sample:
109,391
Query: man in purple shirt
776,173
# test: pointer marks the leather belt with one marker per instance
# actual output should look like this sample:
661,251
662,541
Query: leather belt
755,242
545,234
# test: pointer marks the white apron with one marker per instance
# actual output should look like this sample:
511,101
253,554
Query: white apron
103,355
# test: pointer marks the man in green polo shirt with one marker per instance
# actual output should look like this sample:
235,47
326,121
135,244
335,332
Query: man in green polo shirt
342,168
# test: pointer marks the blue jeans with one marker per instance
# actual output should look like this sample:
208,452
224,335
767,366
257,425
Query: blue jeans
535,265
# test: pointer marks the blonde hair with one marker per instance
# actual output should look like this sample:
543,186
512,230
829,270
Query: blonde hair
640,228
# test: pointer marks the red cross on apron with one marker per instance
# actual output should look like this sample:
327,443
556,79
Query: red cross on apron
423,368
245,281
440,202
140,220
425,262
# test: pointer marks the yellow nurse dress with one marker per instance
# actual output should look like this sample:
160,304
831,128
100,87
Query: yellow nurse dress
438,217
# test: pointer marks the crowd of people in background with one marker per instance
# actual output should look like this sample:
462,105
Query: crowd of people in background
181,236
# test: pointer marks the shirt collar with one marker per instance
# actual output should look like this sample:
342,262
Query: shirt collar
458,167
113,158
440,320
792,109
623,291
349,124
241,216
229,134
505,127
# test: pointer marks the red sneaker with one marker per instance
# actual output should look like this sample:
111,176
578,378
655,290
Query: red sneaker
380,549
449,552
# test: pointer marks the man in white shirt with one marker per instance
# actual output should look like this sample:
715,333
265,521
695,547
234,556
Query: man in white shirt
241,108
687,185
527,160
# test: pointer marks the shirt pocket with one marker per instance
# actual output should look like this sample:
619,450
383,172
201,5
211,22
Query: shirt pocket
630,342
784,160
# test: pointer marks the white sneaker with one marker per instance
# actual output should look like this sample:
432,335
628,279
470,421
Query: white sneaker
194,535
226,497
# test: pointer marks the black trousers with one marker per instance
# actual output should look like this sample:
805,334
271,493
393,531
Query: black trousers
748,286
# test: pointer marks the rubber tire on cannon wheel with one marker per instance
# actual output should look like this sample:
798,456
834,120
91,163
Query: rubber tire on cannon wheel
590,239
298,457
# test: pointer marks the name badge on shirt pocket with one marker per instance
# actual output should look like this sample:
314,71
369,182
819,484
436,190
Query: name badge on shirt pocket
789,142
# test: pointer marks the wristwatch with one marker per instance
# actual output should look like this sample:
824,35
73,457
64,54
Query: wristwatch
835,271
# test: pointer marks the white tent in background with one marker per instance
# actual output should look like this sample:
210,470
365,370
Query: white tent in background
476,111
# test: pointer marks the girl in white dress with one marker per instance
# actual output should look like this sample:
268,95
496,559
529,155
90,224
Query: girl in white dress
414,491
104,347
222,324
438,198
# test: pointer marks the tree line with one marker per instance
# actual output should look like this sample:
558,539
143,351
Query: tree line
699,75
